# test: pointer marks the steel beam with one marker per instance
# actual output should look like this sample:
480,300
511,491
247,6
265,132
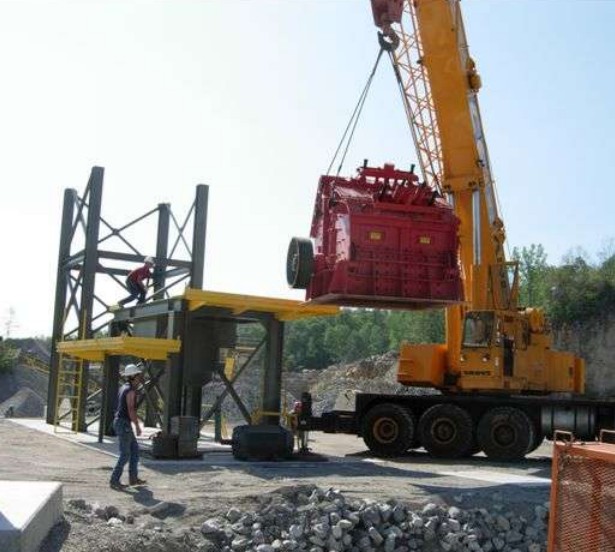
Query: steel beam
110,388
62,281
152,416
272,369
172,385
162,249
131,257
90,265
199,236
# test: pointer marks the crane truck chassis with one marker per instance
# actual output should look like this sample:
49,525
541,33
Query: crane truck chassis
505,428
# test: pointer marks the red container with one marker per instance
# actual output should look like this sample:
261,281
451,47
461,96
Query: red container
381,239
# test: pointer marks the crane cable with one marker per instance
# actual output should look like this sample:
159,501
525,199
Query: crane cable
354,119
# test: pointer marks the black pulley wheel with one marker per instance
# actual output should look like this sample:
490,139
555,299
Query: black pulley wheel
388,429
506,434
447,431
299,263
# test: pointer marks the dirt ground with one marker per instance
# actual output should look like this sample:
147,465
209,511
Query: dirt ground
192,491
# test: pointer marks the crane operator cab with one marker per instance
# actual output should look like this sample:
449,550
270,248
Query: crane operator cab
482,330
478,328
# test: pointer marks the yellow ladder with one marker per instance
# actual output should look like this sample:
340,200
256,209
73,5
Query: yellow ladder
70,376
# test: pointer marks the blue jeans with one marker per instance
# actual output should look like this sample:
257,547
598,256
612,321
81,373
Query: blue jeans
137,291
129,450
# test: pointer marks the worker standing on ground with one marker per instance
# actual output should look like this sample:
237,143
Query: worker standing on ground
135,283
125,414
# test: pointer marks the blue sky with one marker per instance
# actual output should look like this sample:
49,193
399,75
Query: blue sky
251,97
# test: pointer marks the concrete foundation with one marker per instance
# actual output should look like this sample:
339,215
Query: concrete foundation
28,510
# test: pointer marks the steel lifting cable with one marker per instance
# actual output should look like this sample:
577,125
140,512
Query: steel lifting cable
354,119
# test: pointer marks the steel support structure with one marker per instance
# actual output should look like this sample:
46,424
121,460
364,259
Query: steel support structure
86,253
272,374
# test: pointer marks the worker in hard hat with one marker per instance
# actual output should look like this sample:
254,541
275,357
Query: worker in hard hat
136,283
123,421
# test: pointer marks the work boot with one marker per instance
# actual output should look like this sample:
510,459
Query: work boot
114,308
118,486
136,481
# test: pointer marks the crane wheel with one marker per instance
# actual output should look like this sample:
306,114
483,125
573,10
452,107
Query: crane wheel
506,434
538,439
299,263
474,449
447,431
388,429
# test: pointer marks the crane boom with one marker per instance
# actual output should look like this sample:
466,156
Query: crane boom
434,67
440,85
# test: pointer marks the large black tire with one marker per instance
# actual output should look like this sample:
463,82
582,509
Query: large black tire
474,449
299,263
505,434
262,442
388,429
538,439
447,431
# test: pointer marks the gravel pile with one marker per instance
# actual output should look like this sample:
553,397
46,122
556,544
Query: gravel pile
375,374
311,519
23,404
326,520
331,388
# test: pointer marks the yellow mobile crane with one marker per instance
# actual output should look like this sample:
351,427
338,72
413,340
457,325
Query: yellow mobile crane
491,344
502,386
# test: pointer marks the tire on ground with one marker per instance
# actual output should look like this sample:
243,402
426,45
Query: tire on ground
538,439
447,431
474,449
388,429
505,433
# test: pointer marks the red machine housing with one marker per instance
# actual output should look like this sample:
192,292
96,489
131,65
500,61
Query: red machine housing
381,239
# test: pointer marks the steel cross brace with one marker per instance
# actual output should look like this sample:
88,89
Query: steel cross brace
229,387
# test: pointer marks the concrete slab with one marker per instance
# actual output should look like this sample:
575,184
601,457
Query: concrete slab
28,510
499,478
109,445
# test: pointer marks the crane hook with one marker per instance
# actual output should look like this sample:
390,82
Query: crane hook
388,40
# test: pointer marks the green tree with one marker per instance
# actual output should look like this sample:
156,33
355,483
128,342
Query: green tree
8,356
416,327
533,275
581,291
305,344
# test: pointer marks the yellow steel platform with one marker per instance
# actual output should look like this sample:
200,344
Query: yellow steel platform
158,349
95,350
283,309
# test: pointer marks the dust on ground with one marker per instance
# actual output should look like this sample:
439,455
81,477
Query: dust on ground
167,514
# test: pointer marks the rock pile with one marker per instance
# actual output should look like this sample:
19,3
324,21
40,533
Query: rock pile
302,519
375,374
23,404
327,521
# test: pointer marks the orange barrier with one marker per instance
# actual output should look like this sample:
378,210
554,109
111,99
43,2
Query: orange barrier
582,517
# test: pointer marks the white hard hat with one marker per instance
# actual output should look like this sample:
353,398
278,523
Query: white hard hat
149,260
132,370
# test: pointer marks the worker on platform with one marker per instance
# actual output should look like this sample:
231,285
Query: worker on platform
136,283
125,417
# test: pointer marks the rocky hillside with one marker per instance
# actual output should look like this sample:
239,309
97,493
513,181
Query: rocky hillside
23,392
595,343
